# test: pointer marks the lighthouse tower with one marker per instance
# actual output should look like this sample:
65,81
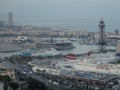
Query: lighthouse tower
101,42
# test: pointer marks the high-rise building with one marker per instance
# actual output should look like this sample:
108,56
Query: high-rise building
10,19
116,31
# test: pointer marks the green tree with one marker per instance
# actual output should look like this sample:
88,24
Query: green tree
14,85
6,80
35,85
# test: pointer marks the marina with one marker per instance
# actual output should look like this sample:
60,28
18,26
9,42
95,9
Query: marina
59,45
79,68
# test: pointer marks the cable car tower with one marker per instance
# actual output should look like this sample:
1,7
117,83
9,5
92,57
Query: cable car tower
101,42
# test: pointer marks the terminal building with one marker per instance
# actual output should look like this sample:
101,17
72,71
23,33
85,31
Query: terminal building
57,46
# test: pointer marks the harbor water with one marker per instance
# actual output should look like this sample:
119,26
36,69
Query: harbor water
82,48
79,49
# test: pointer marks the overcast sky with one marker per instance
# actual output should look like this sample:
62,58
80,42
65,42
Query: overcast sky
82,14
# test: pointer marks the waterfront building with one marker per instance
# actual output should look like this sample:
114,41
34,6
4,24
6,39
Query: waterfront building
118,47
5,71
56,45
3,25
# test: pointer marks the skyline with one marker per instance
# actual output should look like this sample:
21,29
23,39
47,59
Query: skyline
72,14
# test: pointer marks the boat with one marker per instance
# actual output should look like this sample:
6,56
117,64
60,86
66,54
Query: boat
71,56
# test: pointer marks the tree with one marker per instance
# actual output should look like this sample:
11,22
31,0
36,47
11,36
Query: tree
14,85
6,80
35,85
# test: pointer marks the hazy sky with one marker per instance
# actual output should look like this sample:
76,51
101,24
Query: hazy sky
78,14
